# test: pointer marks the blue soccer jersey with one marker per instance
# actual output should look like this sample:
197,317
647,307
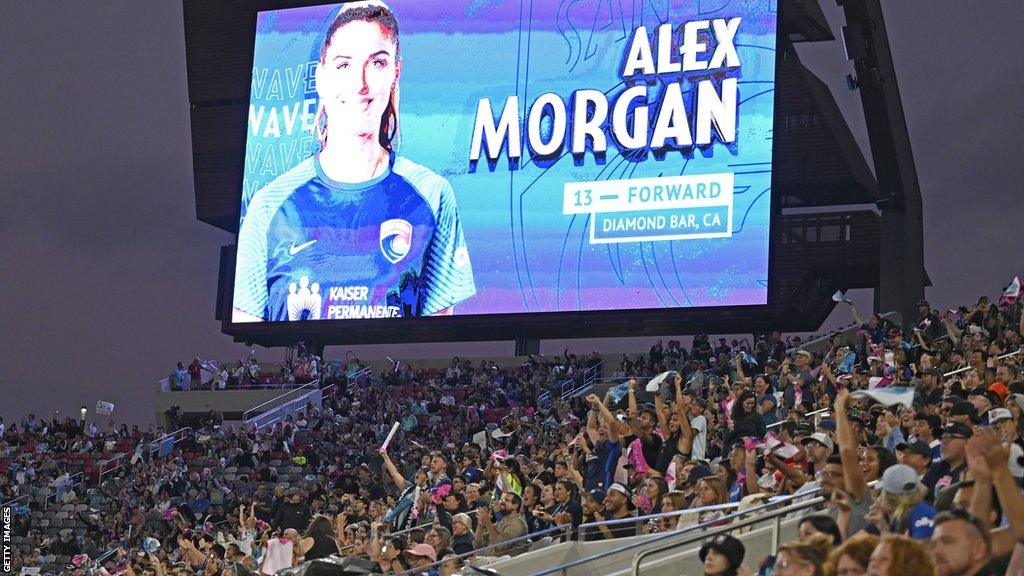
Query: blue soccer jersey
313,248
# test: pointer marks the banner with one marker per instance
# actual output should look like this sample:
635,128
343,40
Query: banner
104,408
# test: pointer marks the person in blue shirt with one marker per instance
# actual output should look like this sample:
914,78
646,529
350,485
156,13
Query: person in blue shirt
356,230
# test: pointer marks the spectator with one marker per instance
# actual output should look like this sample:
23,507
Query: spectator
291,512
852,557
722,556
511,526
900,556
801,558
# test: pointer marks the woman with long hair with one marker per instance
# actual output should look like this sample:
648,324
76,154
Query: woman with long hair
746,421
355,215
852,557
900,556
875,460
710,491
803,558
319,540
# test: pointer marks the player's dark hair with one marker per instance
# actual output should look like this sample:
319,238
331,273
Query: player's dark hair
381,15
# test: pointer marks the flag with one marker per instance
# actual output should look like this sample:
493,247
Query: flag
773,445
1012,292
888,396
840,297
654,384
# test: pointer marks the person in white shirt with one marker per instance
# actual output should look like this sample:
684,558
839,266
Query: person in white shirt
699,424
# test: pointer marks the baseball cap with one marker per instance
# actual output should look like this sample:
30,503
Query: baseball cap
957,429
999,389
820,438
998,415
933,372
597,495
899,479
804,429
918,447
425,550
697,472
993,398
802,352
964,409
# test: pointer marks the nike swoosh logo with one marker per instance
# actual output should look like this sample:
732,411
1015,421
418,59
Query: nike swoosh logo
293,250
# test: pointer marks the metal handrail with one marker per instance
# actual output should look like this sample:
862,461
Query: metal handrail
815,413
966,368
675,533
52,490
119,458
276,413
477,551
154,445
724,529
17,499
245,415
649,517
854,327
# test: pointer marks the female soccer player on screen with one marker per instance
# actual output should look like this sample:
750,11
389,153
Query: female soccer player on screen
356,230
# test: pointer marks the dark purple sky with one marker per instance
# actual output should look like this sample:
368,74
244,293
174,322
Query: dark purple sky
109,278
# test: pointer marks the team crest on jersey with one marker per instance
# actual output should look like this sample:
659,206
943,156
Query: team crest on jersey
395,239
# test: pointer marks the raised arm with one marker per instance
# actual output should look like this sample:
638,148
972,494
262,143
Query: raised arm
615,428
750,465
400,482
682,407
856,486
634,412
954,330
856,316
740,374
659,409
986,443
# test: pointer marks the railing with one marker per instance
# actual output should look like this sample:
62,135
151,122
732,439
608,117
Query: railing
360,373
247,415
815,413
847,333
966,368
775,516
15,500
178,435
507,543
119,458
649,517
570,388
293,406
676,533
54,490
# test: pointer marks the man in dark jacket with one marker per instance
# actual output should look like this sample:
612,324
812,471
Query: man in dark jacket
292,513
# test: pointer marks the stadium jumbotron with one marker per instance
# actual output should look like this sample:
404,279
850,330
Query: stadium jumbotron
511,288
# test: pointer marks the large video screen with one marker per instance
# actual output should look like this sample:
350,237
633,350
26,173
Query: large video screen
461,157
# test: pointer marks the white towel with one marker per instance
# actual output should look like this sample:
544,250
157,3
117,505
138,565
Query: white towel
276,555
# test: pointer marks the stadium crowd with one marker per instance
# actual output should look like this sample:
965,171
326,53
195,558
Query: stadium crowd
422,471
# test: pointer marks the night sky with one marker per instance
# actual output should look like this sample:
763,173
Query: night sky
109,279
